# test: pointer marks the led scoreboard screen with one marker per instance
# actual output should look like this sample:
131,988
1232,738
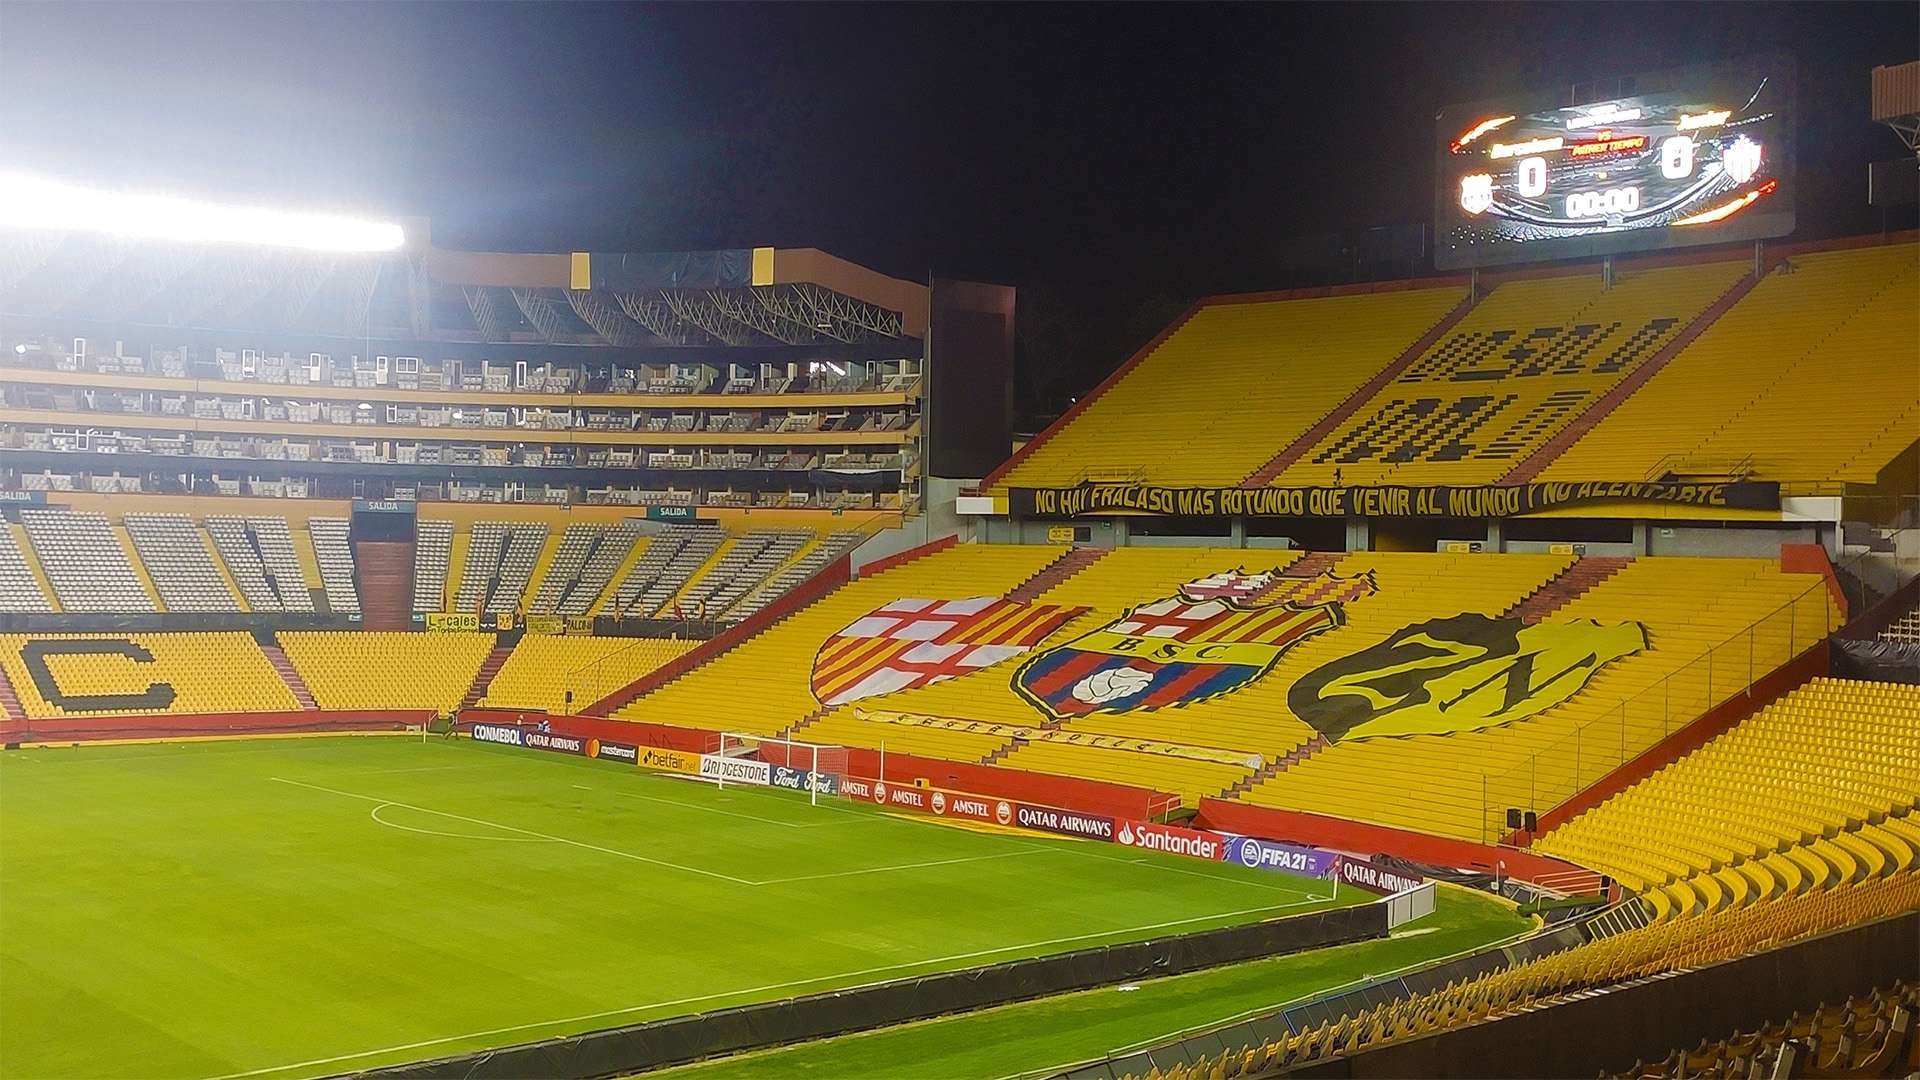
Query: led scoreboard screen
1698,155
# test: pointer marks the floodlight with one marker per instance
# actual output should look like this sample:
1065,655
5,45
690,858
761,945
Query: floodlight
35,203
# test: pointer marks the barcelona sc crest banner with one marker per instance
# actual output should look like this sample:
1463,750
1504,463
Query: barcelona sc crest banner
912,642
1217,635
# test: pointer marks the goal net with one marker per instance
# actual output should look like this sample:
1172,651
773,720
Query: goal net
815,768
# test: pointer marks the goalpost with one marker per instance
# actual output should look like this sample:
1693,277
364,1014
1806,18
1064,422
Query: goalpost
816,768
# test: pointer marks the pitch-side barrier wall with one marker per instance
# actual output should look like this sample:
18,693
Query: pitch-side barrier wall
840,1012
77,729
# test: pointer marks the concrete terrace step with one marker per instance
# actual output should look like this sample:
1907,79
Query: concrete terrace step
484,677
1584,574
287,672
1055,572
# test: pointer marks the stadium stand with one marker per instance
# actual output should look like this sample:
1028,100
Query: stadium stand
1809,377
499,563
85,562
587,556
334,554
1230,386
763,686
107,674
1692,609
432,545
1528,359
1905,628
177,558
1869,1036
370,669
670,561
544,668
1815,787
19,587
259,554
1407,587
1649,950
811,561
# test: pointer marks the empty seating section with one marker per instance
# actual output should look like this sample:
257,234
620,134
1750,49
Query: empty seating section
1825,778
335,556
1875,1034
1809,377
1697,614
1670,945
19,588
177,559
745,564
500,558
543,668
259,554
811,561
609,553
371,669
1120,579
587,557
432,549
1528,359
671,560
84,562
1905,628
763,686
57,675
1233,386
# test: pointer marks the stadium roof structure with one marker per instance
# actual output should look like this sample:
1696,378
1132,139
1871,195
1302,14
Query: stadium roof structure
735,298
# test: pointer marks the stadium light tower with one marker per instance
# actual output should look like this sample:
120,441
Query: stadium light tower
37,203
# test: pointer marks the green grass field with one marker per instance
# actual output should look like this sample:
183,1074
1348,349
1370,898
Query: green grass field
1030,1036
311,906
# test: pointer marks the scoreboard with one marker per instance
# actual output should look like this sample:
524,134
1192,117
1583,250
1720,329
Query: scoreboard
1697,155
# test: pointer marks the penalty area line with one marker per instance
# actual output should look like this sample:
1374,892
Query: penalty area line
769,988
616,852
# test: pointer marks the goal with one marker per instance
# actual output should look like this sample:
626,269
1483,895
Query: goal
816,768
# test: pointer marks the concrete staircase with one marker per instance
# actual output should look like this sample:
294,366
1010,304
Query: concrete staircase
1308,439
1274,768
1531,465
1310,565
484,677
1055,572
383,576
10,701
288,674
1584,574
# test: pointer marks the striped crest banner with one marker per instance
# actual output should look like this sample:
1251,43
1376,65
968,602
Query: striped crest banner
1217,635
910,643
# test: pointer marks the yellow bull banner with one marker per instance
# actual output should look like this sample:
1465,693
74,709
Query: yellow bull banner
1070,738
1461,673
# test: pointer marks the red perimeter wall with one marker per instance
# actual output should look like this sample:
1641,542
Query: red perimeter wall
187,725
1247,820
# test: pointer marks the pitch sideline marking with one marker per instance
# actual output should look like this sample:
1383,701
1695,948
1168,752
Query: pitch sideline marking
570,1020
902,866
525,832
375,815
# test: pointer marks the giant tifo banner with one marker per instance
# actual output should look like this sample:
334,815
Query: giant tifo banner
916,642
1490,500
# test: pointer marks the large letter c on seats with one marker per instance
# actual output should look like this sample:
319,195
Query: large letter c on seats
34,654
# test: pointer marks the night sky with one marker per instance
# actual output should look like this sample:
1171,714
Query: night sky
1111,161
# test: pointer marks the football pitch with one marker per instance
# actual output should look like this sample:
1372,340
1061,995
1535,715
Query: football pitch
302,907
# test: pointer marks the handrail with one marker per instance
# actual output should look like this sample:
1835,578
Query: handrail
1562,769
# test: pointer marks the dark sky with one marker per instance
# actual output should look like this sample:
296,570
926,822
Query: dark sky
1112,161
